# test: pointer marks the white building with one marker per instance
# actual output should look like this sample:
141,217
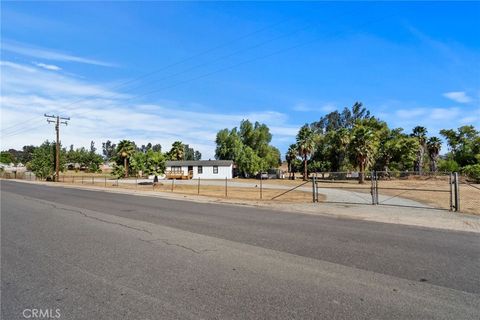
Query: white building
203,169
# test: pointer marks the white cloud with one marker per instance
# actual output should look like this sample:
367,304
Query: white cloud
458,96
47,66
17,66
48,54
304,107
108,117
433,118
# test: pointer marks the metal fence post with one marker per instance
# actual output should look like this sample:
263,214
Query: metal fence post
226,188
450,183
261,187
457,192
93,180
198,186
82,179
376,188
372,187
105,181
173,182
313,189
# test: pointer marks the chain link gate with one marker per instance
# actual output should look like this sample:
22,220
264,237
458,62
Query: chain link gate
453,183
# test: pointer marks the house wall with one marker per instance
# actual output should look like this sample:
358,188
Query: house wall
223,172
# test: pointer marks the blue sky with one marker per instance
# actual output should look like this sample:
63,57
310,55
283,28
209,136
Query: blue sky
164,71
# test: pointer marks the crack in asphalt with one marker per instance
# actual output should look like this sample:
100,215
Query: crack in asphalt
166,241
86,215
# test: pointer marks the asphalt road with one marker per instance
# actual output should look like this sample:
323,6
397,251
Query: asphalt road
99,255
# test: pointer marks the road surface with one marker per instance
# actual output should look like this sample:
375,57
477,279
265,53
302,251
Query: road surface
100,255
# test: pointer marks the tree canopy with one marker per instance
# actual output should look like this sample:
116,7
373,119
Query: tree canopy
249,147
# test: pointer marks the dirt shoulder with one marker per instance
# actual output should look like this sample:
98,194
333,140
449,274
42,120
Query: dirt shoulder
428,218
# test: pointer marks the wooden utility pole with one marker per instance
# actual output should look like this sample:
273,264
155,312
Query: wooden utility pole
57,148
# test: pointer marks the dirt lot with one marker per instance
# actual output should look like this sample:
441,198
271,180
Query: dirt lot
433,191
250,194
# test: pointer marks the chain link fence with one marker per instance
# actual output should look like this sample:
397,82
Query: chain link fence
394,188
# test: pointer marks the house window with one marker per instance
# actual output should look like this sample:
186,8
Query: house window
200,169
215,169
176,169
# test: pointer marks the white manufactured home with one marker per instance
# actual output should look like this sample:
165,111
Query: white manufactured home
203,169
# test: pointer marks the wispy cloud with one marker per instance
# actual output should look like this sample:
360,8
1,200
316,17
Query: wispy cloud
433,118
458,96
42,53
108,117
47,66
308,107
441,47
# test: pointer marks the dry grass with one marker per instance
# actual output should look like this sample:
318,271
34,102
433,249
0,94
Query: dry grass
433,191
250,194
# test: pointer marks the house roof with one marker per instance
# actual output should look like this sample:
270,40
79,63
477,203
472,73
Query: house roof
205,163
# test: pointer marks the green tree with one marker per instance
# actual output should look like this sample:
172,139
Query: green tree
197,156
229,145
232,145
154,163
338,141
421,134
189,152
7,158
43,160
289,157
88,160
434,145
138,162
178,151
363,147
109,150
448,165
464,144
125,149
396,150
306,143
249,163
472,171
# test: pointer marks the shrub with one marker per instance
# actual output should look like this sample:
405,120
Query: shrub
448,165
472,172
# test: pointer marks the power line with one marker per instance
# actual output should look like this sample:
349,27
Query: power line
231,66
17,131
168,66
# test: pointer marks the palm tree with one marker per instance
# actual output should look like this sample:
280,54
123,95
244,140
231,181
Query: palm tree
290,156
363,146
178,151
434,145
421,134
341,139
306,142
125,149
